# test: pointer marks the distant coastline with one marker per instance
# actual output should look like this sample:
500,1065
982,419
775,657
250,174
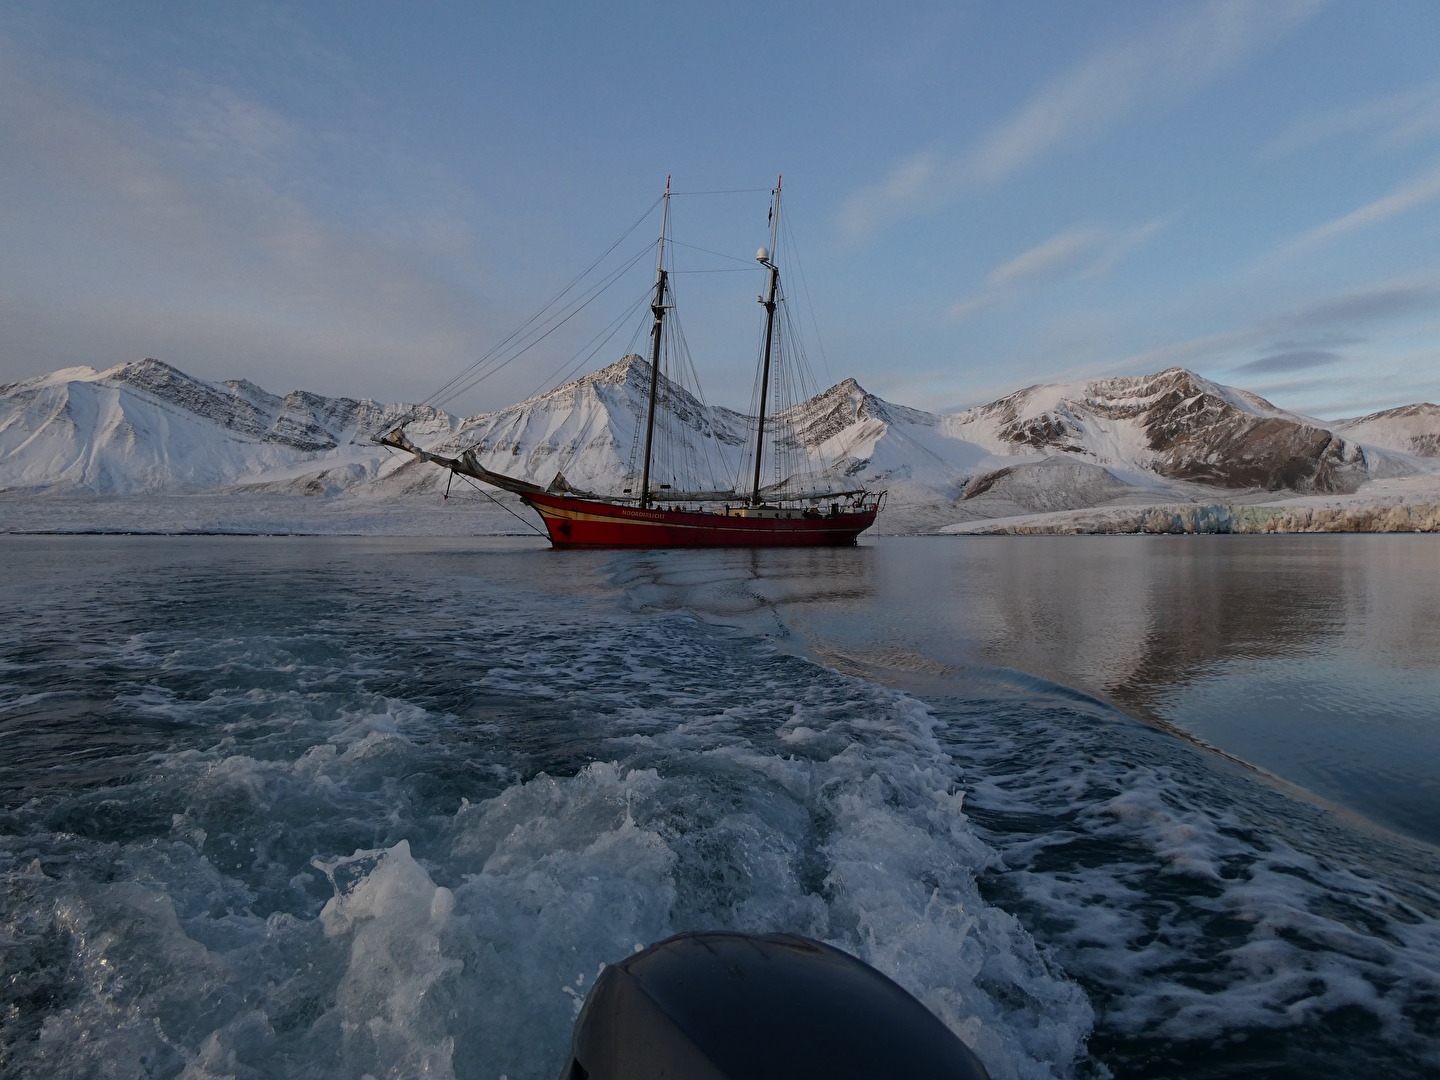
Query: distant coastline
145,448
1282,518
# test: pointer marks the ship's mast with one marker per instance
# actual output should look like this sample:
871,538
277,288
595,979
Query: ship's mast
657,308
772,287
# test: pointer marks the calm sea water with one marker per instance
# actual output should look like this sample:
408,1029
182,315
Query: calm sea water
1315,658
310,807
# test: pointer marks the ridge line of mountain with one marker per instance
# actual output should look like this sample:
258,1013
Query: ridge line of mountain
147,425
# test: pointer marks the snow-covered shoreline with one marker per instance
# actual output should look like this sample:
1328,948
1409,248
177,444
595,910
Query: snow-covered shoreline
23,512
144,448
1411,504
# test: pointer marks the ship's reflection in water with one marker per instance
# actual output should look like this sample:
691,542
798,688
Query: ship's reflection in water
1315,658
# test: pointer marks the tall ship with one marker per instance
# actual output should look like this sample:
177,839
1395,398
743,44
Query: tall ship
790,510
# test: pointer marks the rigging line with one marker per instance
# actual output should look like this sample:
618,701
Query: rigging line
749,263
705,419
574,281
493,362
502,506
595,344
601,286
592,297
725,191
591,347
801,358
681,450
752,447
792,246
564,457
630,471
551,324
723,270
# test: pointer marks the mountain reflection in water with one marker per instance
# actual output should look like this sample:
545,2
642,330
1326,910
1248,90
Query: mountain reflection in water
1314,658
299,807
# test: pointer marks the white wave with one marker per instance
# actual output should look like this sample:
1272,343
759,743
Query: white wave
1194,903
326,880
403,813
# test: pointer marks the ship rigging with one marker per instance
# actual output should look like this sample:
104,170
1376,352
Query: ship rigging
787,512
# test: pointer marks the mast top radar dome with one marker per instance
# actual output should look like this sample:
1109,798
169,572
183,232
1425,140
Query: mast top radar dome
762,255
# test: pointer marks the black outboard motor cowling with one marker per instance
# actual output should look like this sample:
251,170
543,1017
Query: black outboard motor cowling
725,1006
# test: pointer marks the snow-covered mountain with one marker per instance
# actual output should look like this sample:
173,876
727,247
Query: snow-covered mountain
589,430
146,426
1175,425
1410,429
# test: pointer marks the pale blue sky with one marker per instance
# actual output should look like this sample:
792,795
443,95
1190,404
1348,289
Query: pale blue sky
361,197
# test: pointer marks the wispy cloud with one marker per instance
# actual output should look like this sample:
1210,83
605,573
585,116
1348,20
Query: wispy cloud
1395,120
1409,196
1290,389
200,228
1060,251
1289,360
1310,328
1170,61
1081,252
1339,396
1299,357
1398,299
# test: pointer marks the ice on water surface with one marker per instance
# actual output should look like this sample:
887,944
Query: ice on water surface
358,808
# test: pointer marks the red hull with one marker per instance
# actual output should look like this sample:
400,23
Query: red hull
585,523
